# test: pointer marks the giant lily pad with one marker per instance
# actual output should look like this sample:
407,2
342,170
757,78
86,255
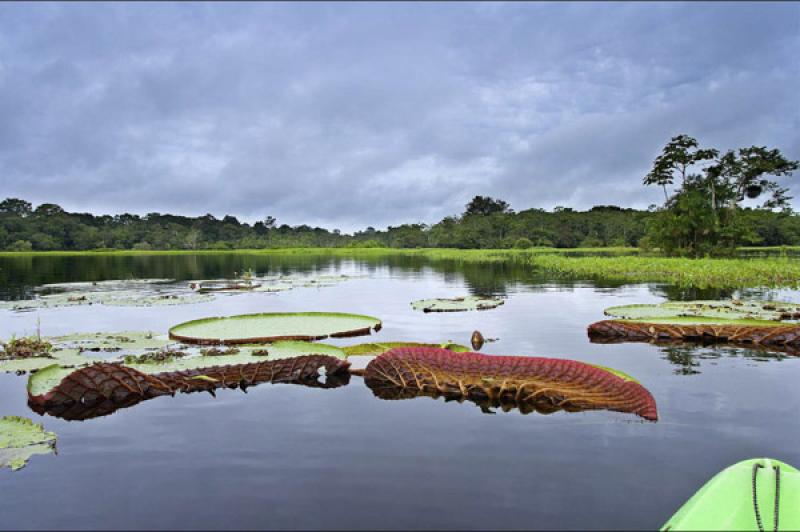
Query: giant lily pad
103,388
20,439
61,357
361,355
125,341
166,361
113,284
528,383
734,310
753,323
269,327
123,298
458,304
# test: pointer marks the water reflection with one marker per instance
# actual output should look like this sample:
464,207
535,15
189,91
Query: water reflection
688,358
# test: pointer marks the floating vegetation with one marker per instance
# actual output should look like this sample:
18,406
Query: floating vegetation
156,300
119,298
726,310
375,348
289,349
126,341
114,284
361,355
269,327
222,286
103,388
20,439
163,356
217,352
530,384
21,355
753,323
458,304
26,347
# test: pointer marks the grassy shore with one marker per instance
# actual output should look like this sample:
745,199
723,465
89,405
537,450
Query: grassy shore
621,264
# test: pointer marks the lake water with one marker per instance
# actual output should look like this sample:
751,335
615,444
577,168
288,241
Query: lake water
286,456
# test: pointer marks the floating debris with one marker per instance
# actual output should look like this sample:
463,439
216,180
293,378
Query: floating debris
477,340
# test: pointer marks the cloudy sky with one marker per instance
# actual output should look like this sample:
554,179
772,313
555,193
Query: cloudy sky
348,115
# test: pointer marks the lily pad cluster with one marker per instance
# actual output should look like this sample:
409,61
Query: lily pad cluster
20,439
457,304
119,298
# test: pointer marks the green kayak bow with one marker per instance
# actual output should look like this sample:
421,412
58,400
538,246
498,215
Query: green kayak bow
757,494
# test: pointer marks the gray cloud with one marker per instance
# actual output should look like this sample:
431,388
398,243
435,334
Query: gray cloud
348,115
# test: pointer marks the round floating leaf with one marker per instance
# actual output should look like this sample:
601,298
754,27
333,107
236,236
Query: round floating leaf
270,327
724,312
60,357
126,341
20,439
458,304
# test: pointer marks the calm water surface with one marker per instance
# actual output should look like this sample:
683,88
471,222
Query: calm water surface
284,456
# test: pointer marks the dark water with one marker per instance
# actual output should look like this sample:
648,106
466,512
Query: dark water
284,456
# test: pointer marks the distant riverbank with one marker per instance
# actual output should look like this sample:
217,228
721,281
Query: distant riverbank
775,270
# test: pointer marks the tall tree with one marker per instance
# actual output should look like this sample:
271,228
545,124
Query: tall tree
701,217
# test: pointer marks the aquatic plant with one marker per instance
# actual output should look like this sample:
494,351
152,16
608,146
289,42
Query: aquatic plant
724,309
456,304
26,347
20,439
269,327
746,323
124,341
742,332
360,355
527,383
103,388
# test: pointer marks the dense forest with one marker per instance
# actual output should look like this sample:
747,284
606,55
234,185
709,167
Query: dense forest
485,223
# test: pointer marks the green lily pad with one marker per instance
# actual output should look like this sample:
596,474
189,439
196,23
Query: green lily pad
375,349
68,358
113,284
270,327
126,341
20,439
730,312
119,298
458,304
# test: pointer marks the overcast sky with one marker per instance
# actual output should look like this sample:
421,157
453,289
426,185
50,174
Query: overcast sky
348,115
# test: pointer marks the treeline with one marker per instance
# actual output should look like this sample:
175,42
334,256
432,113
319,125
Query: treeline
486,223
